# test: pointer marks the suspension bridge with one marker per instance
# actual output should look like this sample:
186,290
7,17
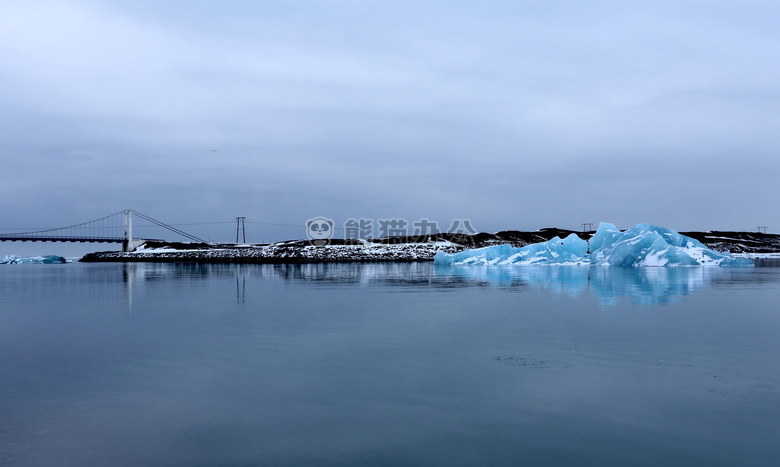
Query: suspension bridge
114,228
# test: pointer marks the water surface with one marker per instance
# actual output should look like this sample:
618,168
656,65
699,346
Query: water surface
388,364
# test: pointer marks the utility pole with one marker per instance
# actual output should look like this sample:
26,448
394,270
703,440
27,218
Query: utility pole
587,226
241,226
762,229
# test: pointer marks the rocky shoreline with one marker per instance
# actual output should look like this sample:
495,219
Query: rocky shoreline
400,249
279,253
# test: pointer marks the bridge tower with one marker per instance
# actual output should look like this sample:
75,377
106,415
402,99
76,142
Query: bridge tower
129,244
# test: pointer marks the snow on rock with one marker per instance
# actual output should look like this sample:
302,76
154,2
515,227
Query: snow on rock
642,245
283,252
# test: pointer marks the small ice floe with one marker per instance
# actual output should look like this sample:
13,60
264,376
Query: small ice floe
47,259
513,360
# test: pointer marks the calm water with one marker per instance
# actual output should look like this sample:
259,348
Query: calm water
394,364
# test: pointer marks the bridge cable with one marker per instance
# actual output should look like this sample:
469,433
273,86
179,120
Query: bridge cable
74,226
169,227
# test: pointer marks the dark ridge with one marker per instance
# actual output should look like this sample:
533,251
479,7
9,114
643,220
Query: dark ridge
516,238
177,245
734,242
294,251
738,242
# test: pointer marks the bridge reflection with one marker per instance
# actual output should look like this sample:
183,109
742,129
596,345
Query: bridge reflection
607,285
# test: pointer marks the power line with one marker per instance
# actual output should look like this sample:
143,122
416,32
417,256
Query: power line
297,226
203,223
174,225
272,223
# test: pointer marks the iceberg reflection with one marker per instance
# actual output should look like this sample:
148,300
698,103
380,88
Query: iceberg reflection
608,285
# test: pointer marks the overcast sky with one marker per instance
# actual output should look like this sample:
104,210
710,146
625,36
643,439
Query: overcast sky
514,114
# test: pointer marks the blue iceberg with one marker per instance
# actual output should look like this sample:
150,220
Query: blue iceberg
649,245
570,250
642,245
